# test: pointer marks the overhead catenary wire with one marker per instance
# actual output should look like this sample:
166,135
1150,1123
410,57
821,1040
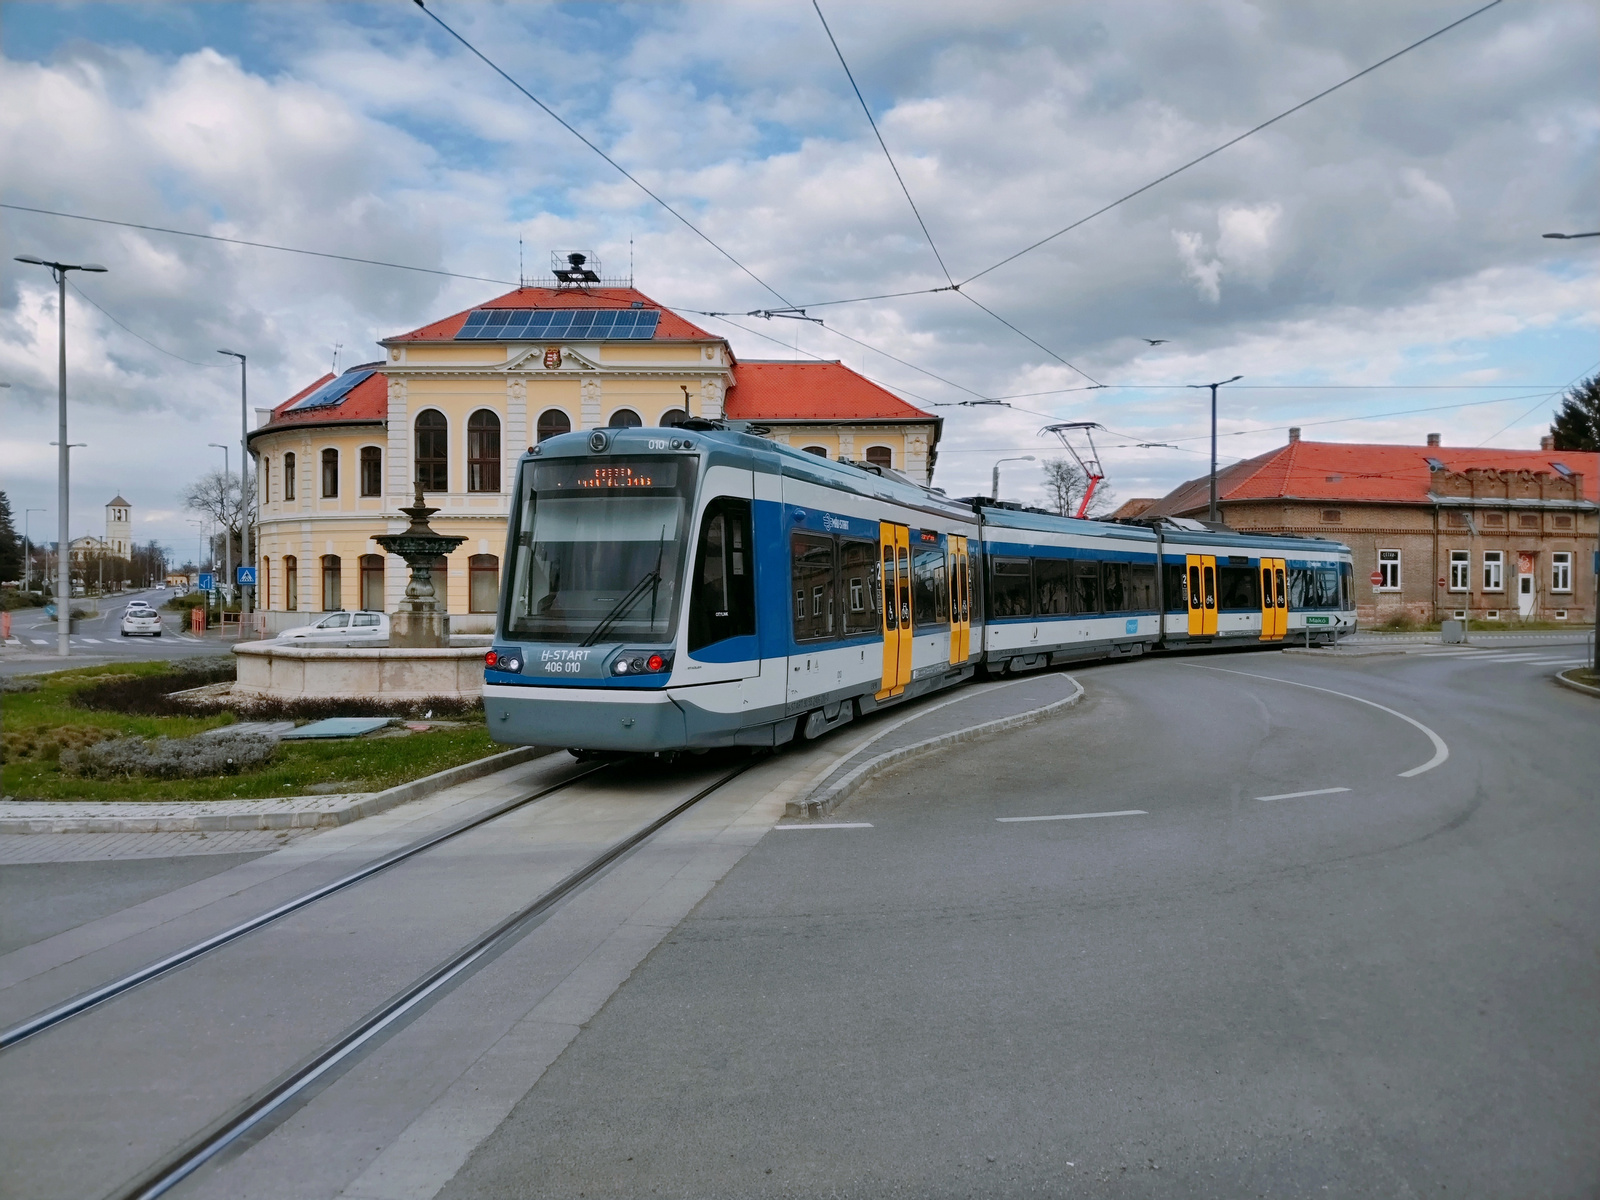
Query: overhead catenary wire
82,295
623,171
1234,141
877,133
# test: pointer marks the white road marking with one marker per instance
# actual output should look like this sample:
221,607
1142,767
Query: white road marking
1297,795
1557,662
39,641
1441,752
91,641
830,825
1126,812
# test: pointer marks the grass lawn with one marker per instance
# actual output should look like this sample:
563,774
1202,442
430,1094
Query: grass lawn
1583,675
39,724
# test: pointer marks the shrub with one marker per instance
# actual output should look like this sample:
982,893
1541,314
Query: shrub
12,599
187,601
48,743
150,695
171,758
18,683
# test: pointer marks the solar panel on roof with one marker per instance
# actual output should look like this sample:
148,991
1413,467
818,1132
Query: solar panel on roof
539,324
333,392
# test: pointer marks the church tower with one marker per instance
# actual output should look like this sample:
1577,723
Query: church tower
119,527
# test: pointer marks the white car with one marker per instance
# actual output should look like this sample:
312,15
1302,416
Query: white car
141,620
341,626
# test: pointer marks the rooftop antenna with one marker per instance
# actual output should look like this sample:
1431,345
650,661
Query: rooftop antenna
337,346
522,280
630,261
1090,466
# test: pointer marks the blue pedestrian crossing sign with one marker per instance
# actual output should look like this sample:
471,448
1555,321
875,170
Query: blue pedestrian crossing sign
208,581
245,576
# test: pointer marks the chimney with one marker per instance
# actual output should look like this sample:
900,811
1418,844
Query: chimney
1547,442
1294,434
1433,439
263,415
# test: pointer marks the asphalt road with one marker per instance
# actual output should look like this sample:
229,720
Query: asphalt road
1386,990
98,639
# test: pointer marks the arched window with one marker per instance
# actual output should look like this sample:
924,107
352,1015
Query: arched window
624,418
553,421
330,473
483,452
291,583
371,471
673,417
372,582
483,583
433,451
880,456
288,476
819,451
331,580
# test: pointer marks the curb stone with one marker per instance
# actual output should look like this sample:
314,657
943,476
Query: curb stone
1344,652
1561,678
821,800
363,806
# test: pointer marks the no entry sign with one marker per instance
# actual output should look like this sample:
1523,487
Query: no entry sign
1377,578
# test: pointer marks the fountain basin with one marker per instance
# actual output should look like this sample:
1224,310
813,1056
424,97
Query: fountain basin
298,672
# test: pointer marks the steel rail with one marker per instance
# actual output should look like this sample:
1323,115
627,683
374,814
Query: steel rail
85,1001
321,1065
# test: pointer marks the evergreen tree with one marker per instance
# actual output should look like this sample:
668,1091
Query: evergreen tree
1577,422
10,544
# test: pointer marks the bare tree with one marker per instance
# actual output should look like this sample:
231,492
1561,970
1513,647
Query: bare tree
1064,485
217,496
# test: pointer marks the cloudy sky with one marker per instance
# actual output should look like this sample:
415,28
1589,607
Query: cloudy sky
1387,236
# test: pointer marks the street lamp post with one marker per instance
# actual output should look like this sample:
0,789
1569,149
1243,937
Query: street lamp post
245,558
227,538
27,547
1211,512
64,556
63,583
994,484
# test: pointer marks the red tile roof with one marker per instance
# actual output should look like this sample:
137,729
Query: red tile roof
367,401
1357,472
811,391
672,327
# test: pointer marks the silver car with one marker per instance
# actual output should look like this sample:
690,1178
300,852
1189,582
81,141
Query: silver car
341,626
141,620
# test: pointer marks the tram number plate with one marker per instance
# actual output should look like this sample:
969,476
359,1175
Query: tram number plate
1318,620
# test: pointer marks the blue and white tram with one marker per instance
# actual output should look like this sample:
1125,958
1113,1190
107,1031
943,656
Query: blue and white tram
699,587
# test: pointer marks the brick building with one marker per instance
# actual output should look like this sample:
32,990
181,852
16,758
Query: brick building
1494,534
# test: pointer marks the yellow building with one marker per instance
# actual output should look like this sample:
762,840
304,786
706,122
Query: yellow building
455,403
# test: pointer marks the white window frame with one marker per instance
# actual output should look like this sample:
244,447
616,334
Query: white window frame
1494,570
1461,570
1389,569
1561,571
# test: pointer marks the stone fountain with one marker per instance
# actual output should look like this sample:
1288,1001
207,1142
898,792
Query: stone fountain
419,625
418,663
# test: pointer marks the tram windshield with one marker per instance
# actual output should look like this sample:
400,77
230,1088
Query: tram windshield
599,549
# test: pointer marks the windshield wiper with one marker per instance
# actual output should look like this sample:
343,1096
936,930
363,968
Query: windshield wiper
651,580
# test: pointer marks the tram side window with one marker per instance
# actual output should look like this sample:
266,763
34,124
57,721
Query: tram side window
930,596
1239,589
1009,588
858,565
1114,584
811,576
1087,592
1314,587
1328,585
724,601
1052,586
1141,587
1346,586
1175,588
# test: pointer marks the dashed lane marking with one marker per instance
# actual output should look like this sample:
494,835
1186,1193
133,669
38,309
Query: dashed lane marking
1441,752
1126,812
1297,795
830,825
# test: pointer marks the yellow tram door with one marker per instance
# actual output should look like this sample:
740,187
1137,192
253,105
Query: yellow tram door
1201,570
894,550
1280,594
1269,607
960,614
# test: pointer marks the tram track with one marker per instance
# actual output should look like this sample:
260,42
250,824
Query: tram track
84,1001
325,1063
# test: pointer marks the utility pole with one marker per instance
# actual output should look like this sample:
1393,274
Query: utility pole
1212,513
63,551
245,557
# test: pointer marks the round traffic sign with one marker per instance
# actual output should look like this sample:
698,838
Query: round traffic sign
1377,578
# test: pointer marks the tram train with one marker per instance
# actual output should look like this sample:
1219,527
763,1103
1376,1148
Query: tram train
697,587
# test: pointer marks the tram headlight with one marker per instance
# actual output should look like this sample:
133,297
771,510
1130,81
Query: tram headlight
620,667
